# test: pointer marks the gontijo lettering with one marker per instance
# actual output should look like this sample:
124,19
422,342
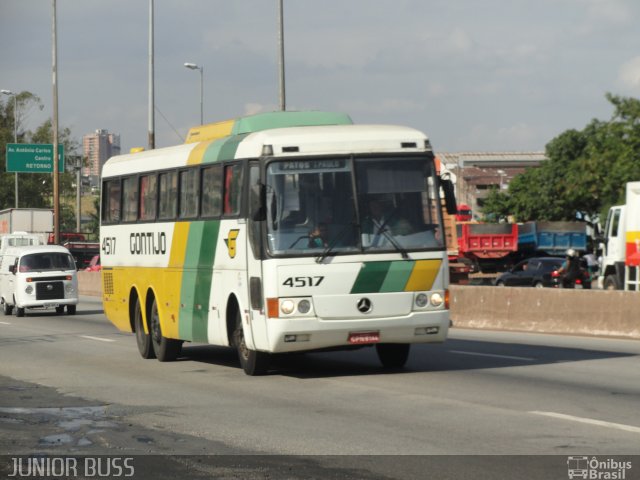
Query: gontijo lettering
148,243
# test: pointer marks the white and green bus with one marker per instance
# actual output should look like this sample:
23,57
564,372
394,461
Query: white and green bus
278,232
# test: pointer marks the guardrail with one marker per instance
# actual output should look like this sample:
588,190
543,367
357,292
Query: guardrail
541,310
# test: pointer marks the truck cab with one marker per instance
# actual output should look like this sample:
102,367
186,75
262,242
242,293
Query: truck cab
614,249
38,277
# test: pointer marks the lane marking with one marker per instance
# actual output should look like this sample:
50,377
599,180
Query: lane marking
590,421
492,355
97,338
5,323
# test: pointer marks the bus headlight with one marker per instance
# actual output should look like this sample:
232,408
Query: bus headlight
436,299
287,307
69,288
29,289
421,300
304,306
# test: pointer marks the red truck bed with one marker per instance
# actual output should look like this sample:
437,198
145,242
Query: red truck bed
487,240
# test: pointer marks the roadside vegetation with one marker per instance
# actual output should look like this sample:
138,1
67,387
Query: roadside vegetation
584,175
35,190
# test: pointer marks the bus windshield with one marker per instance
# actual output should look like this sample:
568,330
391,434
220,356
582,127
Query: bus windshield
352,206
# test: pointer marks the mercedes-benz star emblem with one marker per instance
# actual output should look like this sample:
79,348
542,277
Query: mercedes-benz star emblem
364,305
49,287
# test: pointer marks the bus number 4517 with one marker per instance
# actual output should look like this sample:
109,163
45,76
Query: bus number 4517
297,282
109,245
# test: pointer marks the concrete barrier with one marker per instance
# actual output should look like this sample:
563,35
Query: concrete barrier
547,310
90,284
543,310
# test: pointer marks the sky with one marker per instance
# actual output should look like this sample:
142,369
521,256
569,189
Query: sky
490,75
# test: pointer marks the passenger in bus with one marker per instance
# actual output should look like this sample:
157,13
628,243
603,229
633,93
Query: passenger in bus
319,236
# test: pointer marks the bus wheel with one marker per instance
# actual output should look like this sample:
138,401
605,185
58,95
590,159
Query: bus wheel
71,309
252,362
19,312
145,347
167,349
7,309
393,355
60,310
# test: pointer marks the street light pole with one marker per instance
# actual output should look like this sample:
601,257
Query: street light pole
56,178
78,192
151,106
15,129
195,66
282,96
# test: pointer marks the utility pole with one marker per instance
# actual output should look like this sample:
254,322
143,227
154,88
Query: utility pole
56,186
281,55
152,133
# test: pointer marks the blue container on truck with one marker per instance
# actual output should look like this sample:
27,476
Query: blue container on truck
552,238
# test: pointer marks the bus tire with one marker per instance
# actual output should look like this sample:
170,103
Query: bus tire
145,347
7,309
393,355
253,363
19,312
167,349
71,309
60,310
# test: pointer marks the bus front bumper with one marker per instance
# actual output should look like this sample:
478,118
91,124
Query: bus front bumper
300,334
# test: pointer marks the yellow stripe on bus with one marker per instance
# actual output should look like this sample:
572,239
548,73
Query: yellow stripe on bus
196,155
179,244
423,275
169,308
210,132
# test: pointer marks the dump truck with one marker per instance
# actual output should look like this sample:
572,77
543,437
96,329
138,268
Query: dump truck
490,246
551,238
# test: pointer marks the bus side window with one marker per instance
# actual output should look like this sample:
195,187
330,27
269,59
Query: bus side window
130,195
211,191
168,189
111,201
189,194
232,189
148,197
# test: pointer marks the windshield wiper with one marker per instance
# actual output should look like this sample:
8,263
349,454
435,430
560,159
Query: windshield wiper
384,231
332,244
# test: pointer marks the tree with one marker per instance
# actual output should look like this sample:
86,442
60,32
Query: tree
35,189
585,173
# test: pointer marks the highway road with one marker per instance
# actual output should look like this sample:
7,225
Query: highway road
75,385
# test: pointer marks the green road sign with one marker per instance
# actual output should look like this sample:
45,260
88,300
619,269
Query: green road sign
33,158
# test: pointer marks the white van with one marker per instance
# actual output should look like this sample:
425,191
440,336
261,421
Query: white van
41,276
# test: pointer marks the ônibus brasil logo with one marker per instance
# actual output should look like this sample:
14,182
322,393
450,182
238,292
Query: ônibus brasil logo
597,469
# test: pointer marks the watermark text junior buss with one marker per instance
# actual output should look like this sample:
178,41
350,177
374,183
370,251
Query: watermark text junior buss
70,467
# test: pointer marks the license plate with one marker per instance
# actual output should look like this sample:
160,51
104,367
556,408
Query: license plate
363,338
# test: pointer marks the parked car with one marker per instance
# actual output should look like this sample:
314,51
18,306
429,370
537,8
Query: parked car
94,264
532,272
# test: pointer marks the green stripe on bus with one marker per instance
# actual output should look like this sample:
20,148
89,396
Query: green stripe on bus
371,277
223,149
204,278
397,277
196,280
